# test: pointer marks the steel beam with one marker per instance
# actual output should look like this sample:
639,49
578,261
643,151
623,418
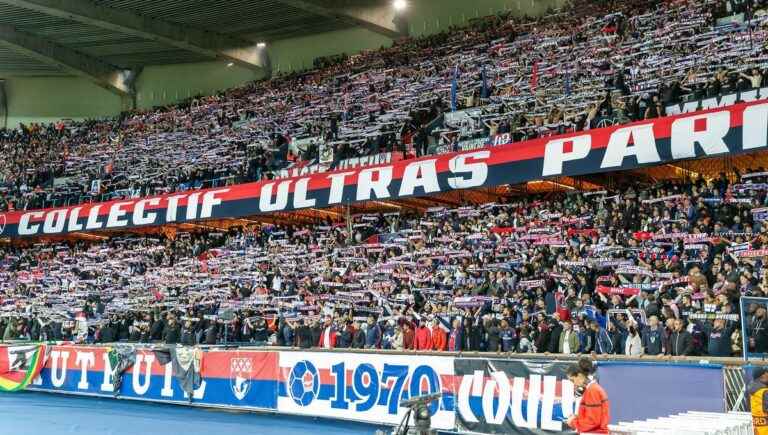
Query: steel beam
211,44
73,61
379,19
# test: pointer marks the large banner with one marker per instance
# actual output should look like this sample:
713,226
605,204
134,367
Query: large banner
233,378
512,396
731,130
367,387
478,395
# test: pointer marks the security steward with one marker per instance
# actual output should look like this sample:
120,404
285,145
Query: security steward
757,392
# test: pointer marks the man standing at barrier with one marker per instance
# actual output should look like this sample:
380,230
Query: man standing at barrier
758,400
594,409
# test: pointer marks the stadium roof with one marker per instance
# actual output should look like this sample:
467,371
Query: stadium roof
101,39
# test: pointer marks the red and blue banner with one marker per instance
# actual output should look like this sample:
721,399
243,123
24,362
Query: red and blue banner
234,378
717,132
480,395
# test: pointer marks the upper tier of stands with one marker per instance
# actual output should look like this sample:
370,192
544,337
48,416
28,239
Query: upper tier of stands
594,64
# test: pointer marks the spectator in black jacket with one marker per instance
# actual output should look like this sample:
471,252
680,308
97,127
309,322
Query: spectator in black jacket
556,329
302,335
172,331
719,338
680,341
188,334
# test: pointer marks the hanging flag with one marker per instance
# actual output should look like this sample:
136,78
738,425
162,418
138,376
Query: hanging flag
20,365
185,362
568,83
534,77
454,88
484,92
120,359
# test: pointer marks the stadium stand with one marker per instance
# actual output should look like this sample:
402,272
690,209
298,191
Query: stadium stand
595,64
458,302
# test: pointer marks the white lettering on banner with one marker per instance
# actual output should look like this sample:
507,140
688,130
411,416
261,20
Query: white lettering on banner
754,130
93,219
55,221
281,199
173,204
140,217
366,184
192,206
209,201
420,174
691,136
73,216
644,148
337,187
167,390
106,384
555,153
58,378
478,170
141,388
300,199
84,360
707,130
510,399
116,214
25,229
364,387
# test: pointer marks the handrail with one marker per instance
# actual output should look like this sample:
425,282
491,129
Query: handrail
701,360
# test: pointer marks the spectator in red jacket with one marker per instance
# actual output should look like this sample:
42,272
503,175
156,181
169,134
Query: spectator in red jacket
439,337
328,335
423,337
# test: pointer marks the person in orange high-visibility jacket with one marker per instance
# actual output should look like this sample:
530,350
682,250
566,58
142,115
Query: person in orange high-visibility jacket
757,393
594,409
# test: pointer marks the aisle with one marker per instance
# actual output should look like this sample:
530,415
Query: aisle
29,413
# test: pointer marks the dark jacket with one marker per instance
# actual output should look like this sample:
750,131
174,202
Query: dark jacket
680,344
719,343
303,337
172,333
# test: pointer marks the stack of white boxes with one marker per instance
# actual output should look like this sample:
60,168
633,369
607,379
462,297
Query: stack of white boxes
689,423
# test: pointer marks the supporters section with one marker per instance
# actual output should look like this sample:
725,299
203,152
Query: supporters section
717,132
479,394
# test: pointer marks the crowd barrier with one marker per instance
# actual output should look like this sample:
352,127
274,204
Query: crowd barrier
481,393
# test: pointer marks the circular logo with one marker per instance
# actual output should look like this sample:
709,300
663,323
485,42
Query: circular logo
303,383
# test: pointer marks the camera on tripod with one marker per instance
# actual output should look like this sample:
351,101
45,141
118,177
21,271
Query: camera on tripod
418,407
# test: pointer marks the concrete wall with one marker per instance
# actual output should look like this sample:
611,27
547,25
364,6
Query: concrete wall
41,99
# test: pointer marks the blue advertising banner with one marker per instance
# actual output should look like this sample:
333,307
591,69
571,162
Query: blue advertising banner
638,391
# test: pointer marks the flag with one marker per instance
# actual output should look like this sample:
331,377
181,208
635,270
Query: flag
568,83
120,359
20,365
534,76
454,88
186,365
485,91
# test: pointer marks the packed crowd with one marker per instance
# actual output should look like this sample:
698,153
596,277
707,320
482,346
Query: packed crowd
594,64
656,270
